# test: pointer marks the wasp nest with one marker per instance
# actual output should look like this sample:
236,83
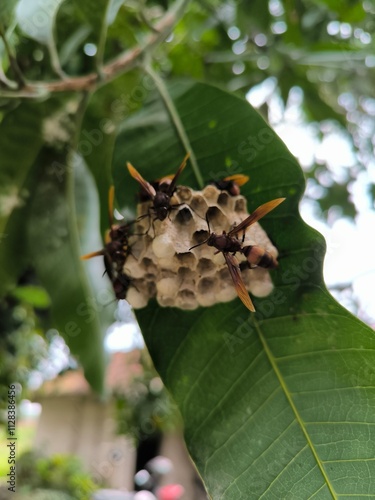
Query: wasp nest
162,266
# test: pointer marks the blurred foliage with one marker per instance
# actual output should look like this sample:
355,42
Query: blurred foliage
146,409
58,474
22,346
324,48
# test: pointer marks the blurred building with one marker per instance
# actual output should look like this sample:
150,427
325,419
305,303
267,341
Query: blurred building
75,421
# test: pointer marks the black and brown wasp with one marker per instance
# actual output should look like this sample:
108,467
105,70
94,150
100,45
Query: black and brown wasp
231,184
115,252
229,245
158,184
161,194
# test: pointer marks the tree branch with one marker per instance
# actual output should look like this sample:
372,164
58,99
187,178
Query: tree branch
116,67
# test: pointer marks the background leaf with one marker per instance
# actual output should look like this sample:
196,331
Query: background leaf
33,295
113,8
81,309
99,18
275,404
22,126
36,18
7,8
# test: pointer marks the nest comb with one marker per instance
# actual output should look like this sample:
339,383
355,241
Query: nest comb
162,266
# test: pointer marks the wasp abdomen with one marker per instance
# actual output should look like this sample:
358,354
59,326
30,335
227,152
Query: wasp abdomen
258,256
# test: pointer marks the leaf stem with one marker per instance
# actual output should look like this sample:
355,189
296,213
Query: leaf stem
171,108
54,57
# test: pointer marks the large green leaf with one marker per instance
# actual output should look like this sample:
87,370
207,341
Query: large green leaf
7,8
82,309
276,404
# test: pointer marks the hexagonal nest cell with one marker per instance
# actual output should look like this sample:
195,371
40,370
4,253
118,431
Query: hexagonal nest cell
162,266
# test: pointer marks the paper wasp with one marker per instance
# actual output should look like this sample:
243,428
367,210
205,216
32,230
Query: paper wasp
229,245
231,184
115,252
160,196
158,184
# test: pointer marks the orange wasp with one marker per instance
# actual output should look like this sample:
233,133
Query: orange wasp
161,196
229,245
115,252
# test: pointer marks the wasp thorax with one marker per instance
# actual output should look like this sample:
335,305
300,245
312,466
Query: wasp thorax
160,264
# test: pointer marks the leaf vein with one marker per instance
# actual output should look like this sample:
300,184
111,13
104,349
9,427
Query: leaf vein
267,449
231,436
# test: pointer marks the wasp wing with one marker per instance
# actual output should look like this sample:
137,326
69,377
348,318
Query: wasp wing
172,185
92,254
145,185
167,179
111,198
256,215
239,179
239,285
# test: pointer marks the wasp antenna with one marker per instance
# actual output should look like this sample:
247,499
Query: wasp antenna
92,254
209,232
208,223
199,244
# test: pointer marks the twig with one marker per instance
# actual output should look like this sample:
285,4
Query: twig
118,66
55,62
8,83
